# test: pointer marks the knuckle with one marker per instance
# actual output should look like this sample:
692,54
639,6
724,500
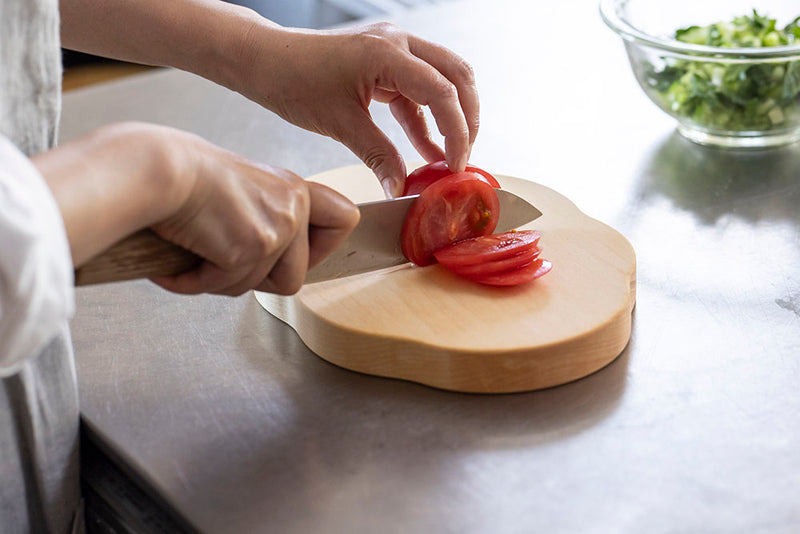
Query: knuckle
257,242
286,214
381,40
465,72
353,218
374,157
287,176
382,28
446,91
264,241
300,198
375,47
475,123
296,208
234,256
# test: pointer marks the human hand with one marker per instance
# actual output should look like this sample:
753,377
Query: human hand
324,81
256,226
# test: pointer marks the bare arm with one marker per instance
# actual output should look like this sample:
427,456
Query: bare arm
199,36
322,81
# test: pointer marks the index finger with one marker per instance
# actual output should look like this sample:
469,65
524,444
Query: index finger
458,71
421,82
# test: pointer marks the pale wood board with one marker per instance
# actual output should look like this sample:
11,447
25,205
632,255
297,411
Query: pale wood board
427,325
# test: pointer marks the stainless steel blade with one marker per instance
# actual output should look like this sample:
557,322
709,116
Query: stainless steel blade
375,243
514,211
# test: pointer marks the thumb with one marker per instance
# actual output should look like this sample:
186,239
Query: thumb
374,148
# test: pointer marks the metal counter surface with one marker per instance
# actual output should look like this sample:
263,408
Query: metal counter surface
224,413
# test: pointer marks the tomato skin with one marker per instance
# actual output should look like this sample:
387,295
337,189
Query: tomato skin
452,222
486,268
515,277
506,259
457,207
487,248
421,178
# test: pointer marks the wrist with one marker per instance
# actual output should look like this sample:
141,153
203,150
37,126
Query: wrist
113,182
225,54
156,181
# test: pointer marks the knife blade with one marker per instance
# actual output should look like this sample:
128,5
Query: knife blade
374,244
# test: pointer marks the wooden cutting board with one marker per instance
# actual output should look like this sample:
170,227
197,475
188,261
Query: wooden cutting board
427,325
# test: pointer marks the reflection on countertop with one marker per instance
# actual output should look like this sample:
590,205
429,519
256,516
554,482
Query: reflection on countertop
713,182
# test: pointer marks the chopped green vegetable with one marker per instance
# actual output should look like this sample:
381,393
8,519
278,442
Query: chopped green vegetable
732,96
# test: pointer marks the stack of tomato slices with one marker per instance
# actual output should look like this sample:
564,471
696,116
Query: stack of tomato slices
452,222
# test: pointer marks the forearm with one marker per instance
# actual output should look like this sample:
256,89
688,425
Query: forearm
109,184
323,81
206,37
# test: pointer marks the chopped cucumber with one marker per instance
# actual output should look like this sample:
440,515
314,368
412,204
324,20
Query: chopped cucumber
733,96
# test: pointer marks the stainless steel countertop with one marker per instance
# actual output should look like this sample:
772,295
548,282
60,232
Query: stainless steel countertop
694,428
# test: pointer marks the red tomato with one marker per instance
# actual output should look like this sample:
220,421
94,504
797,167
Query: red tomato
487,248
518,276
457,207
424,176
479,270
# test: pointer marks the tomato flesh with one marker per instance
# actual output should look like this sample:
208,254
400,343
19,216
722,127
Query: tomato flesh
485,268
421,178
452,222
487,248
457,207
515,277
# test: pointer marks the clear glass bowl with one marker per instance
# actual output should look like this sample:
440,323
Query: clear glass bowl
709,89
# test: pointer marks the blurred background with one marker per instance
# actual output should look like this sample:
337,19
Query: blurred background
322,13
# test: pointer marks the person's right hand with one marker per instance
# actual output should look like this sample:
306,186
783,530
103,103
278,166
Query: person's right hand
255,226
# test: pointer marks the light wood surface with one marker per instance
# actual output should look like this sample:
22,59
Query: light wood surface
427,325
79,76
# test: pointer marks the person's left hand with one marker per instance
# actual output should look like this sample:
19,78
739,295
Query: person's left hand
324,81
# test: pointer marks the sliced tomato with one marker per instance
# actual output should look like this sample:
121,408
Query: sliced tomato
451,209
515,277
421,178
486,268
487,248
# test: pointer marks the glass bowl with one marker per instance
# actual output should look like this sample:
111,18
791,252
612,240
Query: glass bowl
743,96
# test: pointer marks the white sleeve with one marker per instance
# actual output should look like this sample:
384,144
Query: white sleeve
36,274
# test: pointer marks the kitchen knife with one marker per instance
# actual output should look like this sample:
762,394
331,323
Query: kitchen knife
374,244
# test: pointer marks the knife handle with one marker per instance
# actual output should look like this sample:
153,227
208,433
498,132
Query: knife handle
141,255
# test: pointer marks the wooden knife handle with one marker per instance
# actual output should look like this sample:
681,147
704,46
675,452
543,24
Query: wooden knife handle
141,255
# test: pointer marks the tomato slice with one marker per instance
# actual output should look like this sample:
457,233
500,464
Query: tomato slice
515,277
487,248
486,268
451,209
421,178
